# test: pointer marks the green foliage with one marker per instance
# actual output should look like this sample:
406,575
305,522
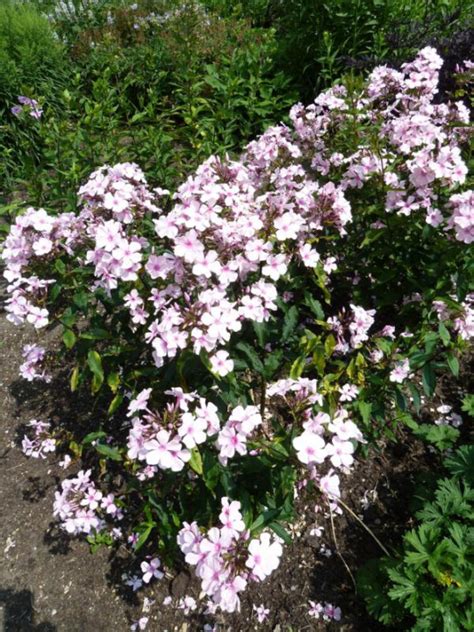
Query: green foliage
432,579
32,60
165,95
317,38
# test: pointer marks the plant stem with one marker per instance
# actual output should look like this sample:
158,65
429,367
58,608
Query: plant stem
337,548
362,523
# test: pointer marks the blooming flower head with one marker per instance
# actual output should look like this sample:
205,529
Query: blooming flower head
310,448
151,569
261,612
221,363
400,372
264,556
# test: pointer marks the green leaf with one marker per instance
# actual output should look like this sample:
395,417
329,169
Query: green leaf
461,464
272,363
93,436
468,405
281,532
442,437
195,462
143,538
444,334
55,291
400,399
113,380
260,331
263,519
60,266
95,364
453,364
314,305
74,381
321,281
108,451
96,333
81,300
297,367
415,397
69,338
115,404
329,345
253,361
289,323
429,379
365,409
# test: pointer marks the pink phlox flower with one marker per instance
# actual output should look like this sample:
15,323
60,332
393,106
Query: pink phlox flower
275,267
92,498
329,485
221,364
140,624
189,537
264,556
340,452
400,372
140,402
261,612
230,516
229,442
348,392
310,448
151,569
192,430
187,604
315,610
166,452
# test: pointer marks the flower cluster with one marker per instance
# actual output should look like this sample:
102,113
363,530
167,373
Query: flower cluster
33,365
82,508
30,106
462,317
352,329
240,239
41,442
164,440
313,446
233,437
226,558
327,612
39,238
447,417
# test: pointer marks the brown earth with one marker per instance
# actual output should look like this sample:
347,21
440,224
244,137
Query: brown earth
51,583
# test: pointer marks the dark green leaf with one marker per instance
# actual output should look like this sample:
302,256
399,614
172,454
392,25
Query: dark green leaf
253,360
429,379
281,532
289,323
93,436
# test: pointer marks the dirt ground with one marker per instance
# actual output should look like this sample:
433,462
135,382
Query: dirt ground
50,583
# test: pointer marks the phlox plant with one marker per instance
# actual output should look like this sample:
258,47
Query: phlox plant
246,333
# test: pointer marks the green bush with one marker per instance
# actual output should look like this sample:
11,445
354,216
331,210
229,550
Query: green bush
317,38
32,60
165,95
430,586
